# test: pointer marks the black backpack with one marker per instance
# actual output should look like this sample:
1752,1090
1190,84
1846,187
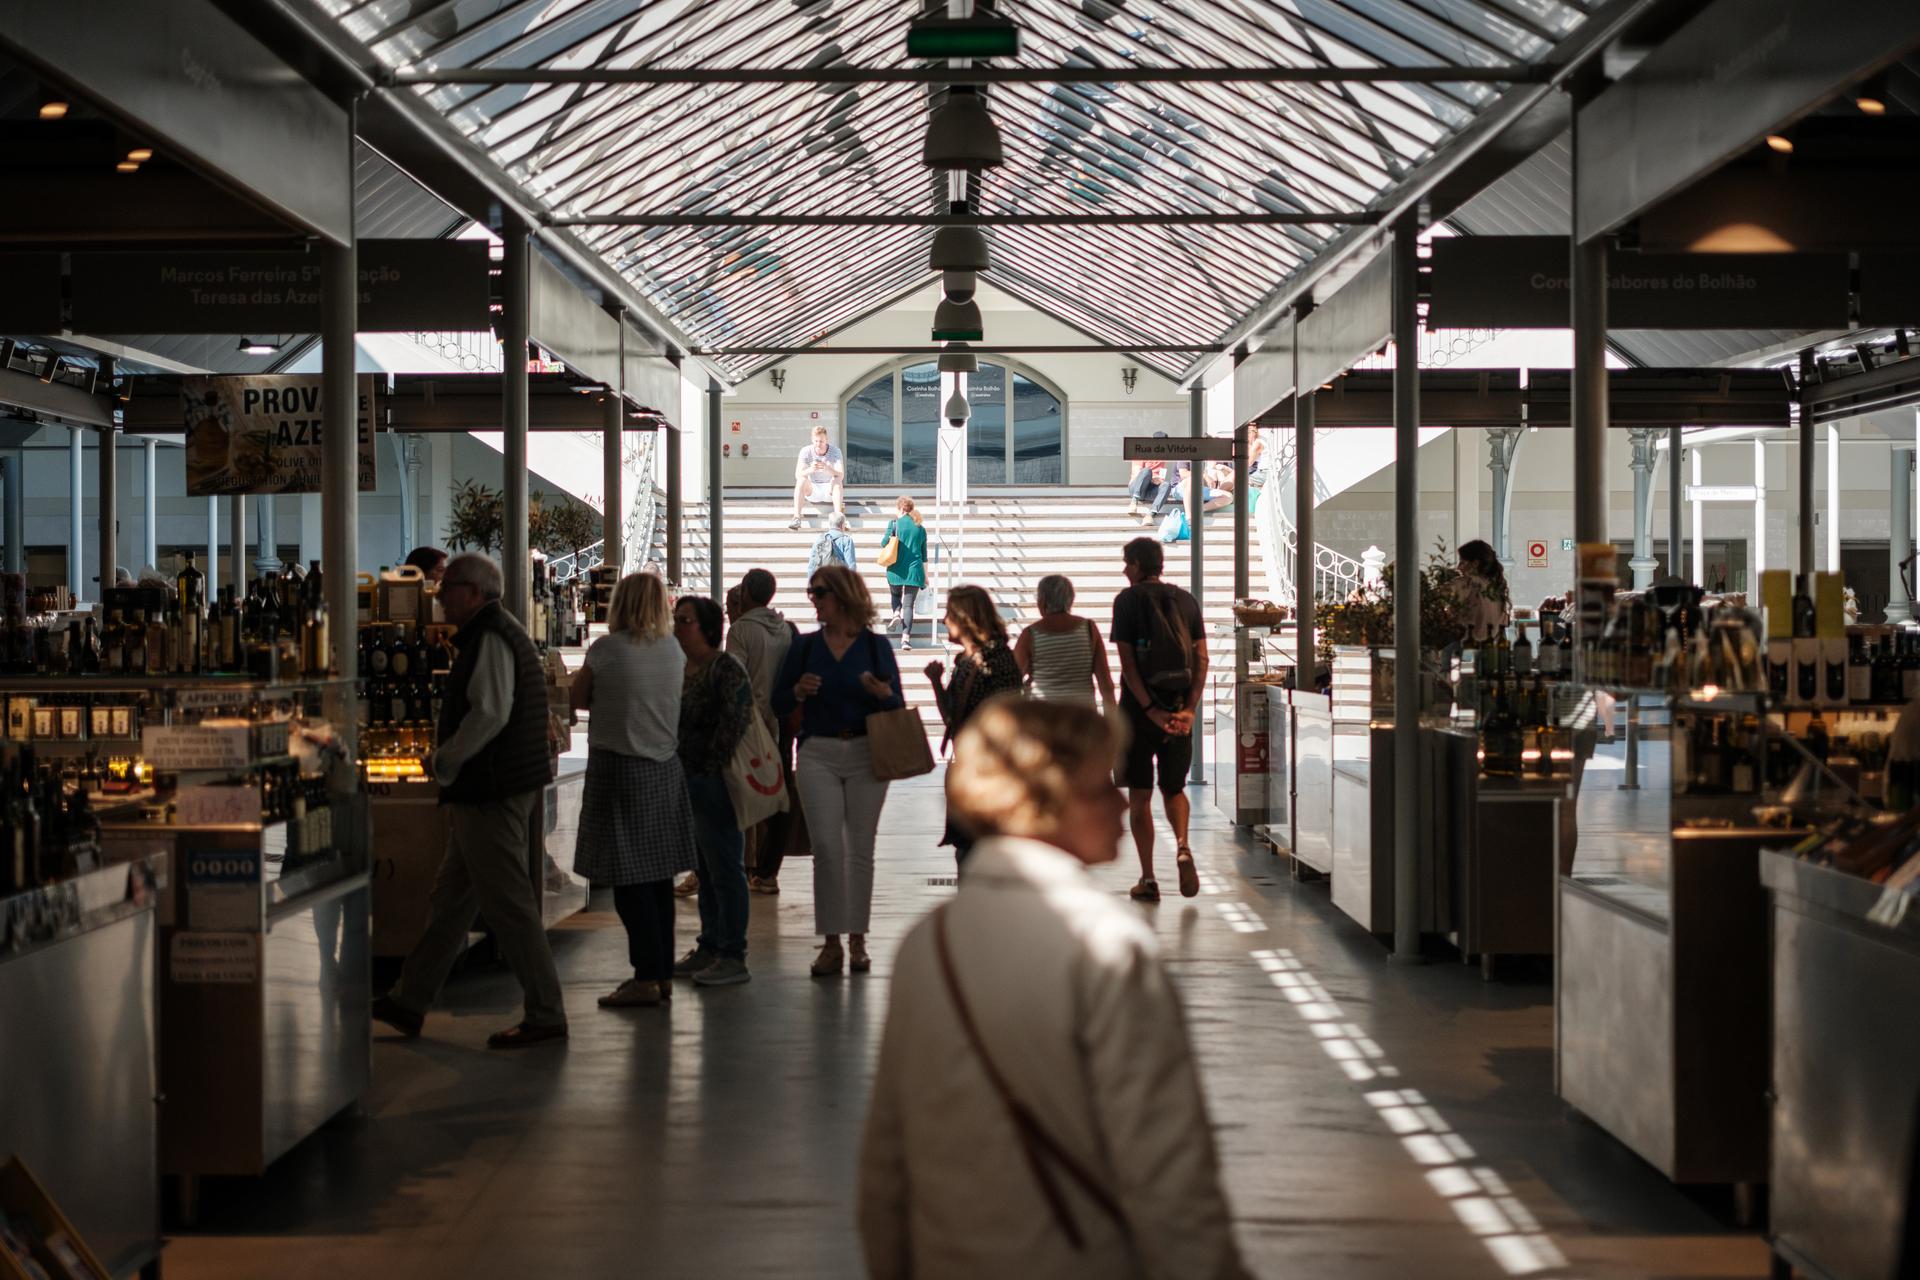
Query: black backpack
1167,668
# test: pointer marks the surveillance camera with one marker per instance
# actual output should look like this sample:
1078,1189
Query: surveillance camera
957,410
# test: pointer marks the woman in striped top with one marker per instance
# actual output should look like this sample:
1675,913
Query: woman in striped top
1062,654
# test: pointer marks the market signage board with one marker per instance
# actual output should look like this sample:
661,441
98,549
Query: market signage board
262,433
1178,449
30,302
1890,289
405,286
1525,282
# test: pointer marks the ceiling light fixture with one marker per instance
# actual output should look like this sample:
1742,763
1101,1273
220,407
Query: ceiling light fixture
53,109
958,248
1871,96
1780,144
140,155
961,133
984,34
258,347
957,322
958,285
127,166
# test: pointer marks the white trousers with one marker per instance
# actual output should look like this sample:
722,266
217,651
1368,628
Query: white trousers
842,800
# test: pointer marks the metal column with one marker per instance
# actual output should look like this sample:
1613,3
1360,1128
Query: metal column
152,556
613,443
1899,534
1306,560
15,465
76,494
266,553
1676,549
237,552
676,505
340,463
1406,595
515,554
1643,564
1502,444
1590,407
109,504
1806,562
1243,438
716,557
1197,562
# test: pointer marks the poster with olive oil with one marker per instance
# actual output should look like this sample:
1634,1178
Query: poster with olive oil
262,434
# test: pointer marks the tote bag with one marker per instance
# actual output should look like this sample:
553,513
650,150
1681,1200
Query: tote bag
890,553
898,741
755,783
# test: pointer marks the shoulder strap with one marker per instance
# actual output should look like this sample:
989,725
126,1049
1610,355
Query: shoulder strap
1035,1142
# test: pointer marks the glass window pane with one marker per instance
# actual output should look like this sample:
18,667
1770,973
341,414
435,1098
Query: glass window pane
1037,433
870,434
987,428
919,425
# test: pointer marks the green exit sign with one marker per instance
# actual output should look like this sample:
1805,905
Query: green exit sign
981,36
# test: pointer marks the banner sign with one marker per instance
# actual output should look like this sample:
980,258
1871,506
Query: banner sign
261,434
1177,449
1525,282
405,286
1890,289
30,304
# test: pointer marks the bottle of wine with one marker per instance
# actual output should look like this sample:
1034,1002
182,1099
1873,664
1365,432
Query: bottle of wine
1502,739
113,655
136,642
1859,671
1806,649
191,585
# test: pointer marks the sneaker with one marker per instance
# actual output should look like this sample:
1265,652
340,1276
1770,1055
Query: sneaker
794,523
893,624
688,886
763,884
906,644
396,1015
1146,891
693,962
727,971
1189,876
632,994
829,962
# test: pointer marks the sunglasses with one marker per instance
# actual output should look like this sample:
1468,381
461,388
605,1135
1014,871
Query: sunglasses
818,593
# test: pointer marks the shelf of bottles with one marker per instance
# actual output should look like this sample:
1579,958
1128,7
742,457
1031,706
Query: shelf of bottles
1517,689
601,580
403,668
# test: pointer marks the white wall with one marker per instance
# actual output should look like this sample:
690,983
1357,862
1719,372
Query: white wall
775,423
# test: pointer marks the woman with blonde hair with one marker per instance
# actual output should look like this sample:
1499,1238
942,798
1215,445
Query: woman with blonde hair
837,676
1036,1110
1062,654
907,575
636,823
984,668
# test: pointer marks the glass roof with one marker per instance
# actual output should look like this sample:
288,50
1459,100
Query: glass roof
1086,148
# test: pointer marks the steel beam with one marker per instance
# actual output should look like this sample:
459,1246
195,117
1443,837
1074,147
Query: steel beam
237,549
1589,382
1340,217
613,445
1808,426
1197,567
1016,349
676,506
340,463
938,74
108,486
76,494
1306,564
1406,595
1676,491
515,554
716,526
151,549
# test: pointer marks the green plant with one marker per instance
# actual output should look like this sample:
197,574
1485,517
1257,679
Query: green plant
564,526
1365,617
475,521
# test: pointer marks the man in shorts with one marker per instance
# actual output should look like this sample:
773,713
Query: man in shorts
1162,681
820,468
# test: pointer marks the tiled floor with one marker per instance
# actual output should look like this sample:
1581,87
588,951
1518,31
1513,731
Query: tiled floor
1376,1120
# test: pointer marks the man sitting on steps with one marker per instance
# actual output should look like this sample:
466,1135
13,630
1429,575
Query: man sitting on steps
820,475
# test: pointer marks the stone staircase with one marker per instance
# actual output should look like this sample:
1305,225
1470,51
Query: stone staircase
1013,538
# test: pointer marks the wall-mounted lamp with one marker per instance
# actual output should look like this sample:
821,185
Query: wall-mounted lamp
778,377
1128,377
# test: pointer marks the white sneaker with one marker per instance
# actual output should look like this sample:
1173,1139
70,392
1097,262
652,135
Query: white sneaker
794,523
893,624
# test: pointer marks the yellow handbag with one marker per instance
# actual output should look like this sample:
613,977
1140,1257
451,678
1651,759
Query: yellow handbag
890,552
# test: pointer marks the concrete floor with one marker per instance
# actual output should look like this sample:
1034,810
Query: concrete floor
1375,1120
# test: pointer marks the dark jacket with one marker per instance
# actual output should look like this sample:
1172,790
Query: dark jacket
516,760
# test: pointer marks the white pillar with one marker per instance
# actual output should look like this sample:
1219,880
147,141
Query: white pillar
76,494
1899,533
213,547
1833,497
151,552
1643,564
311,534
1699,528
1759,556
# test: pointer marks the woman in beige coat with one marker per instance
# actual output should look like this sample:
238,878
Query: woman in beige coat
1037,1112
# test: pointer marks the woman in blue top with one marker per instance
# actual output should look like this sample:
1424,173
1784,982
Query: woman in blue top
907,575
837,677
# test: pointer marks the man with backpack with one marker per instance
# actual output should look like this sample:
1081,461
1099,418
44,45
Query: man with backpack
1162,641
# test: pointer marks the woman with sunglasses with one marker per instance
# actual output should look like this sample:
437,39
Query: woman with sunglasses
836,677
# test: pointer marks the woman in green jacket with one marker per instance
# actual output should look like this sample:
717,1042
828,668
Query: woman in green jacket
907,575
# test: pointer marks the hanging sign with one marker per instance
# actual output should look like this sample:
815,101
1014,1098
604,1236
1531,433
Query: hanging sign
1525,282
261,434
1177,449
31,302
1536,555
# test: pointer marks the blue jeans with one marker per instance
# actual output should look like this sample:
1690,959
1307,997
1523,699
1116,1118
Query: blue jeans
723,867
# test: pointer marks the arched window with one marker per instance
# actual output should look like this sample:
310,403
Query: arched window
1016,435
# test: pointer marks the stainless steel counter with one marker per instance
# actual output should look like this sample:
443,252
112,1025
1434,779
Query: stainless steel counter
1846,1070
79,1041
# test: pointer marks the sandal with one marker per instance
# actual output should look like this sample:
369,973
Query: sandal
858,961
829,962
1189,874
526,1034
1146,891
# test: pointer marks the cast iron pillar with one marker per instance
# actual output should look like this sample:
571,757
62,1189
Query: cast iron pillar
76,493
516,563
1502,444
1899,534
1644,441
1406,595
1306,552
716,557
1676,491
1197,561
1807,437
339,463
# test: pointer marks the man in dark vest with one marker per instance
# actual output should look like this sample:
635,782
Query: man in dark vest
492,765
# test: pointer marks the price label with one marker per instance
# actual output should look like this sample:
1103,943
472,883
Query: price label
188,747
216,958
